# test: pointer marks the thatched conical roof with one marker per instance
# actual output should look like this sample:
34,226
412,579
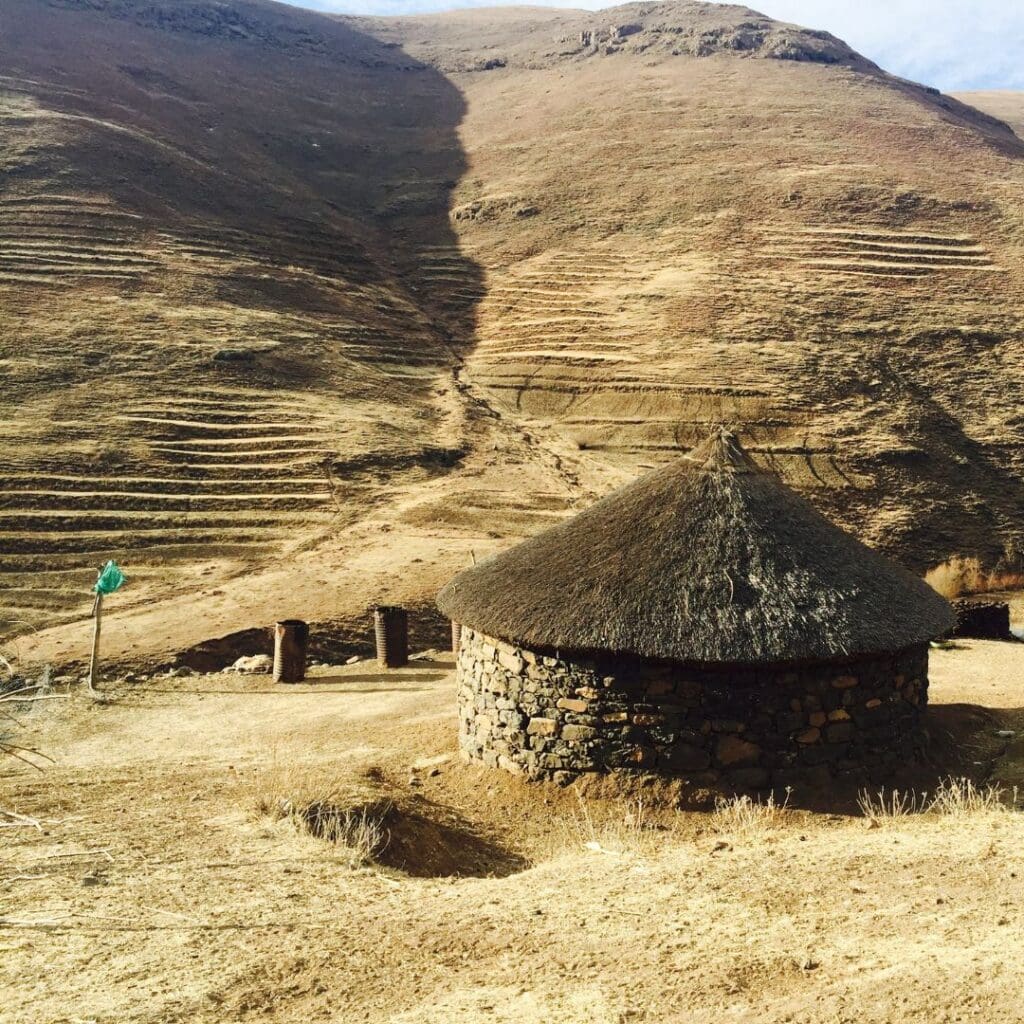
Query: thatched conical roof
709,559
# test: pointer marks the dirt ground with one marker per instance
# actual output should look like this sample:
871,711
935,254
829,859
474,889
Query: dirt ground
155,888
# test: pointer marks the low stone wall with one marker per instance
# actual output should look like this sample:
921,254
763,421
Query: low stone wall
553,718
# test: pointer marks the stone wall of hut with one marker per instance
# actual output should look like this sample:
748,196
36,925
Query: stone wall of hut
552,718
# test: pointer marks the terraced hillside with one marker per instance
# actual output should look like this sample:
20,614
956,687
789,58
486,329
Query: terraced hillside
213,345
273,283
691,214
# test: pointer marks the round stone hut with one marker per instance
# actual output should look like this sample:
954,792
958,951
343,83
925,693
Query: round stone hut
703,621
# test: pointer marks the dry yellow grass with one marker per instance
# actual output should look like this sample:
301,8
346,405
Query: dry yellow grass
174,879
958,576
331,810
218,359
746,816
953,798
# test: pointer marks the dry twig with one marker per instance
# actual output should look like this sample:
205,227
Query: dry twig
19,820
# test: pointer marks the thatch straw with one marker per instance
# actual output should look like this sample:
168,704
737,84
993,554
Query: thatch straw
708,560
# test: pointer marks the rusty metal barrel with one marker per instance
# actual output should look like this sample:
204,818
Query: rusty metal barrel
291,638
391,628
456,637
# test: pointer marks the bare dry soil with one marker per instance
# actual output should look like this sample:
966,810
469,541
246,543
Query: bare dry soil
163,883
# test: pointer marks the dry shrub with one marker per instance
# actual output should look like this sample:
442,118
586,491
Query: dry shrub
745,816
22,692
895,803
350,819
958,576
961,797
359,830
954,798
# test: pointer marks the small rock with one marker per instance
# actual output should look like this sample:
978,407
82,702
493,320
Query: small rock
253,664
233,355
433,772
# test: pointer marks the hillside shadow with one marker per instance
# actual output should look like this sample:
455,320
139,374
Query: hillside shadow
983,498
320,158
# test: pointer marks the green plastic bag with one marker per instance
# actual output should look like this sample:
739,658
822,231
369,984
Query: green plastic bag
110,579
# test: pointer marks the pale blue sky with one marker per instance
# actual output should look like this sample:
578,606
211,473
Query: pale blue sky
951,44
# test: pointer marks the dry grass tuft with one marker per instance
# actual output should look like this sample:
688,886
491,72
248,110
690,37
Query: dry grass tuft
350,820
959,576
360,830
953,798
621,828
745,816
961,797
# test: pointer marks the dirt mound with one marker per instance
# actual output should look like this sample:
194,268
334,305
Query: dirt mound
419,838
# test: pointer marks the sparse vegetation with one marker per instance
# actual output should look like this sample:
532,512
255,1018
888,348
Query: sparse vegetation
245,827
622,828
959,576
746,816
953,797
18,691
823,256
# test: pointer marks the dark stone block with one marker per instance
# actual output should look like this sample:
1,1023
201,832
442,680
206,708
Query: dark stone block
822,753
790,721
839,732
749,778
684,757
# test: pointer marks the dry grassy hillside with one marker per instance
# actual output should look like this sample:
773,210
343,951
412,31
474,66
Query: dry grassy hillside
212,344
693,214
369,293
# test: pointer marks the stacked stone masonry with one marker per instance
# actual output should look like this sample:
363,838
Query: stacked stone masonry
548,717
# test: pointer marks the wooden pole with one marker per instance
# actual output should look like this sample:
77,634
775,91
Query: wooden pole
97,612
